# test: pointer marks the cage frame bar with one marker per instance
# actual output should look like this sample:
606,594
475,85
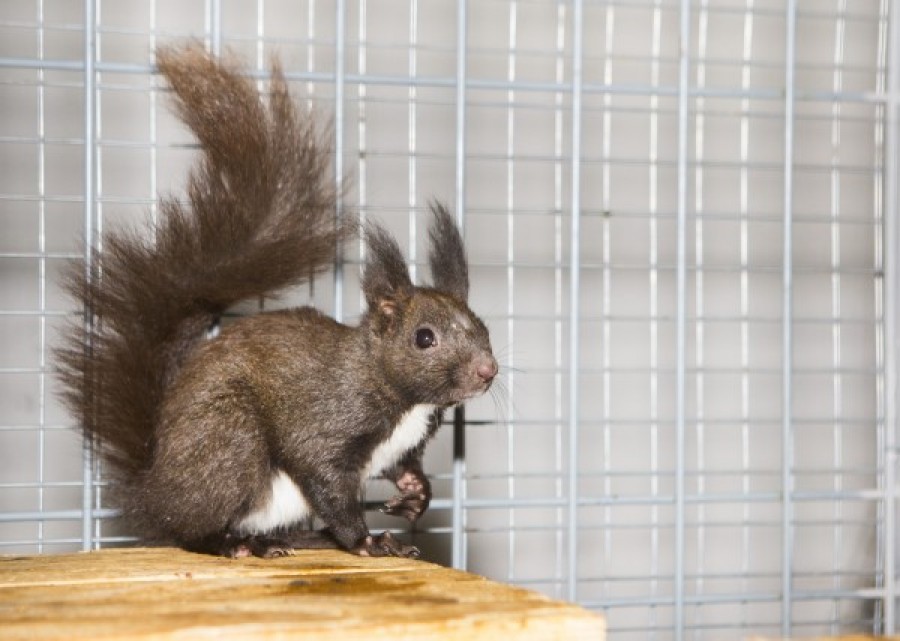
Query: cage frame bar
891,243
575,294
458,515
89,53
787,435
681,314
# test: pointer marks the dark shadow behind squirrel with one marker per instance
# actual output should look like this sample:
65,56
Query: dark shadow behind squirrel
227,445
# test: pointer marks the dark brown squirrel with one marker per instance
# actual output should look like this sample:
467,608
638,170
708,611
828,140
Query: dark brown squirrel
227,445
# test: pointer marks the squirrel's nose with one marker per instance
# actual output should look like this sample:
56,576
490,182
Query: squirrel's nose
487,369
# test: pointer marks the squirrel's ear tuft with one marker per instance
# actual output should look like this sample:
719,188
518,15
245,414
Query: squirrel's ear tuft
386,278
449,268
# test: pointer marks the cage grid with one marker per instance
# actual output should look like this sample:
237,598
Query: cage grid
681,219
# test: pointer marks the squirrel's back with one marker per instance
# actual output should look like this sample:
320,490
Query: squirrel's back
259,216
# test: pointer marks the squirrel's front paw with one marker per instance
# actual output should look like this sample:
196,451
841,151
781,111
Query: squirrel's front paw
414,497
409,506
385,544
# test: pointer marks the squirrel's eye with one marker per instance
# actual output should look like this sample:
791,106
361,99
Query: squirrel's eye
425,338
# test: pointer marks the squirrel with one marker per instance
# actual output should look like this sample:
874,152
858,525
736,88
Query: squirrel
227,444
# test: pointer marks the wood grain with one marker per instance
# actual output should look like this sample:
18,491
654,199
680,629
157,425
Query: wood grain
164,593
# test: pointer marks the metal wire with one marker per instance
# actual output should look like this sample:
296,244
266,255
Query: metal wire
458,558
575,296
887,334
90,203
787,335
682,228
681,316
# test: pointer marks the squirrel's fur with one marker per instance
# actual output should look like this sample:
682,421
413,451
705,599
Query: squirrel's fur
259,217
202,436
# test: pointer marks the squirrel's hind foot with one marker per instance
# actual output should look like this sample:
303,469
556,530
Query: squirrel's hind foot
235,546
260,546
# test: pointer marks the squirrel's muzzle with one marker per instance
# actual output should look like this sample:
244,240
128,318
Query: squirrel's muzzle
486,369
482,370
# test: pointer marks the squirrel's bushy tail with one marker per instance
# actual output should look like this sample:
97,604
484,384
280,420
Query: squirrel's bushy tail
259,216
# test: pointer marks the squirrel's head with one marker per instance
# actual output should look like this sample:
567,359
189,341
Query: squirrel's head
432,347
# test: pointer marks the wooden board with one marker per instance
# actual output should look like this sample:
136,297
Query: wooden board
851,637
163,593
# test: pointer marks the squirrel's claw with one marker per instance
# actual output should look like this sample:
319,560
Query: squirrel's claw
385,544
409,506
414,497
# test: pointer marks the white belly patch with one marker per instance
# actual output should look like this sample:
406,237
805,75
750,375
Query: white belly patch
410,431
286,506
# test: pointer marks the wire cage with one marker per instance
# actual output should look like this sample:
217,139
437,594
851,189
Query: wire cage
681,219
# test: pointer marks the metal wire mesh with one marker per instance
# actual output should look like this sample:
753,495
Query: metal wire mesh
681,219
